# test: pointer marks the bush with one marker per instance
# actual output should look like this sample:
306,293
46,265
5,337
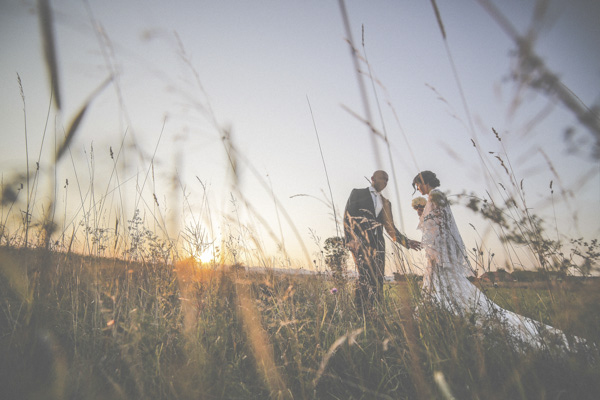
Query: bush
336,256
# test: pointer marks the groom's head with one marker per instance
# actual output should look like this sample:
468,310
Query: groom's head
379,180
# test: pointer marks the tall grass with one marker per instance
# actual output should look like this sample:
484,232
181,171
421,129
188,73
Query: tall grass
112,306
88,327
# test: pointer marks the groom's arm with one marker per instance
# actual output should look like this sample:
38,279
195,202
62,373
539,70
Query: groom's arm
391,229
406,242
401,238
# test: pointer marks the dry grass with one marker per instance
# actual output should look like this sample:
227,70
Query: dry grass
153,323
87,327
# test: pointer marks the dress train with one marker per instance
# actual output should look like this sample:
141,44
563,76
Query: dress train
447,269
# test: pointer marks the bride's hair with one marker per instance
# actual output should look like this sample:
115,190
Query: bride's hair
427,178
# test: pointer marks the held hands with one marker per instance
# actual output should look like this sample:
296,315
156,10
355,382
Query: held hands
414,245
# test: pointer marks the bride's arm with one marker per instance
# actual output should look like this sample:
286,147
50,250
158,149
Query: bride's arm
433,221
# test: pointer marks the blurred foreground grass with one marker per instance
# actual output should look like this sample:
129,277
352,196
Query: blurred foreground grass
93,328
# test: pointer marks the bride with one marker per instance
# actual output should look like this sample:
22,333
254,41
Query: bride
447,269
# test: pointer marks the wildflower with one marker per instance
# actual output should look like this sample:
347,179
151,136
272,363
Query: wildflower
333,291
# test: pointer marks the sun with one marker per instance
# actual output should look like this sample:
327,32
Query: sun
208,256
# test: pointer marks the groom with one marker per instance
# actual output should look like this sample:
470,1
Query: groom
367,214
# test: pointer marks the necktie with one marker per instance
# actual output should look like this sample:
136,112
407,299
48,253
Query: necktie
377,203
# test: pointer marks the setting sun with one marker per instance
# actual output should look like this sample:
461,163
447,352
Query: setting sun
208,256
230,199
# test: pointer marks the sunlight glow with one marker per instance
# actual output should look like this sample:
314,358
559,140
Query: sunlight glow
208,256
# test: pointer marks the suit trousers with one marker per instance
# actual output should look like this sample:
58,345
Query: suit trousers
370,263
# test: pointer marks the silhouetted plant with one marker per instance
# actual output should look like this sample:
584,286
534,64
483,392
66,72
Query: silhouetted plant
336,256
588,252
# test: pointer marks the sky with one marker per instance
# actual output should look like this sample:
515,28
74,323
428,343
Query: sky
279,80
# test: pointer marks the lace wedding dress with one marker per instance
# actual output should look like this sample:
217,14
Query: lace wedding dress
447,269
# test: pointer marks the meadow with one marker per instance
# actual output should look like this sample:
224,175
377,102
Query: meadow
93,328
104,305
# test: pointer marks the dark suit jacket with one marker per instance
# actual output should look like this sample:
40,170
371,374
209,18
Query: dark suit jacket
361,223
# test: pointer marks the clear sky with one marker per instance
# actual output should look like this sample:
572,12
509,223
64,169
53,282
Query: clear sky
185,72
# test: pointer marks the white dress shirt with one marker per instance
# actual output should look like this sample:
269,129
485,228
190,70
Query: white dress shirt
377,200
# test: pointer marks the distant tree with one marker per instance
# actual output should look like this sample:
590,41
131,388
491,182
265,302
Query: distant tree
524,276
336,256
398,277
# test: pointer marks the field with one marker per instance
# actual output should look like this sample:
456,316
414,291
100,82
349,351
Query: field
93,328
133,282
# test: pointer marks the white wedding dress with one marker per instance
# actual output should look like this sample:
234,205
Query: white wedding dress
446,271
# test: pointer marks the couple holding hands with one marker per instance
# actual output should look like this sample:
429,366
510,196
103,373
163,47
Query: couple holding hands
446,265
366,216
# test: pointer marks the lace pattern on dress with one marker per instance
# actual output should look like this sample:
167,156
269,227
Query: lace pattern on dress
446,270
442,242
